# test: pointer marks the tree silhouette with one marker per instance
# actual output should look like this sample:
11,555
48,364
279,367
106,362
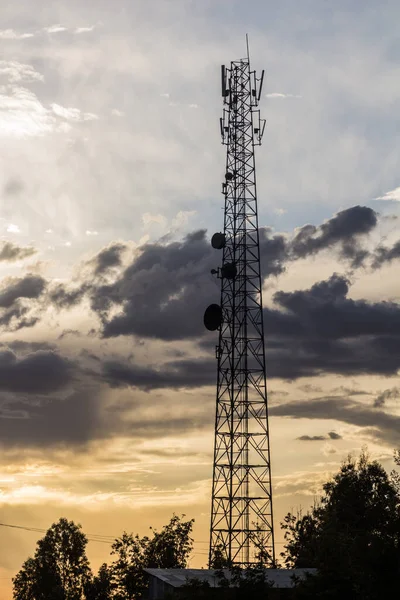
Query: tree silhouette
352,536
100,587
169,548
59,570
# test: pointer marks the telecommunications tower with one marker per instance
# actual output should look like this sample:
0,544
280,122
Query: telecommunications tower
241,511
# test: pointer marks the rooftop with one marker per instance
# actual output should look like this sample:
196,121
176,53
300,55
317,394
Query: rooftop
281,578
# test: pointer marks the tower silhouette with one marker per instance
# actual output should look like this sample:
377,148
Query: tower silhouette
241,511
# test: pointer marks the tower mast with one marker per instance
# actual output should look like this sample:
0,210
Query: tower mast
241,511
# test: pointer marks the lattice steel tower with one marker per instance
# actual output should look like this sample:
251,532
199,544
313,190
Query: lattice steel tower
241,512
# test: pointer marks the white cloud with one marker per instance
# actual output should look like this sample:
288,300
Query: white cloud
280,95
165,95
55,28
280,211
117,113
84,29
11,34
393,195
72,114
193,106
22,114
88,232
182,218
11,228
16,72
149,219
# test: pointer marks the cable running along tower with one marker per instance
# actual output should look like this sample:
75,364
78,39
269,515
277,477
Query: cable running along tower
241,511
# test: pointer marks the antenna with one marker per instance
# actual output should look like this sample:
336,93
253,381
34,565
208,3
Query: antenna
241,506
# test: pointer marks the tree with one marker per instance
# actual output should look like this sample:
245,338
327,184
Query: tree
352,536
59,570
100,587
168,548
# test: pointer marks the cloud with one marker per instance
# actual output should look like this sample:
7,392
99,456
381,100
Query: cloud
84,29
173,375
11,252
160,291
17,72
72,114
53,420
380,425
23,114
109,258
383,254
40,372
281,95
11,34
321,330
64,297
311,438
334,436
344,230
163,293
11,228
19,301
390,394
30,286
393,195
55,29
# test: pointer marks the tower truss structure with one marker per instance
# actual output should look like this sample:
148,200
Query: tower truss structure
241,511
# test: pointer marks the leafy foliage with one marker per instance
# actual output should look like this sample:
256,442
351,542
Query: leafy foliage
100,587
169,548
59,570
352,536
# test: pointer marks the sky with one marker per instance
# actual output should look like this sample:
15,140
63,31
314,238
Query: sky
110,180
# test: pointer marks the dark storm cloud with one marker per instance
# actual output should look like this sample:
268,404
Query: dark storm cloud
383,254
40,372
64,297
380,425
163,293
173,375
344,230
311,438
44,422
335,436
322,330
11,252
30,286
108,258
273,252
19,302
390,394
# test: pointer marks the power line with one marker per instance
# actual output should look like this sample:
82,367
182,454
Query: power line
91,537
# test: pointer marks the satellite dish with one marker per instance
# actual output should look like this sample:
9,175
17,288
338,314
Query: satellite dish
213,317
218,241
229,271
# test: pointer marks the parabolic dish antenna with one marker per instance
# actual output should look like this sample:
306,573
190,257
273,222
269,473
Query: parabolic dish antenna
213,317
218,241
229,271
